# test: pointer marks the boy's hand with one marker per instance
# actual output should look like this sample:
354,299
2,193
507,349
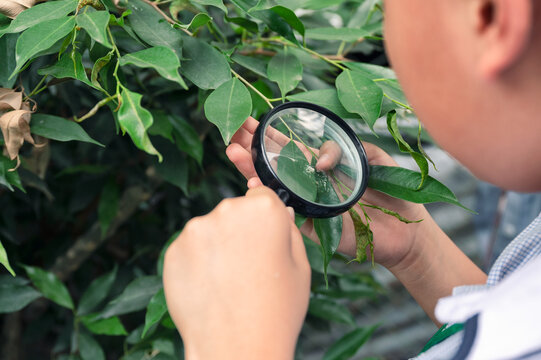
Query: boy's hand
394,239
237,281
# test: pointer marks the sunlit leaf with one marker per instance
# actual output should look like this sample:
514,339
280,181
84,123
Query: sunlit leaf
40,13
285,69
203,65
359,95
228,107
4,259
135,120
95,23
41,37
160,58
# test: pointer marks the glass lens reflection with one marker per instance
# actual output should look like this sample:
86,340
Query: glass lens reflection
313,156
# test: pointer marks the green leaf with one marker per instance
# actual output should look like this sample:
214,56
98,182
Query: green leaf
7,54
111,326
98,65
40,13
50,286
96,292
7,177
228,107
421,161
256,65
89,348
245,23
60,129
95,23
218,3
152,29
203,65
330,310
285,69
199,20
15,294
155,311
392,90
4,259
294,170
161,126
108,206
403,184
135,120
40,38
363,238
159,263
328,98
346,347
371,71
187,139
314,254
280,20
329,232
70,65
160,58
135,297
336,34
359,95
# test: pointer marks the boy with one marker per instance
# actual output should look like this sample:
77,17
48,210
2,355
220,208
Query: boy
237,280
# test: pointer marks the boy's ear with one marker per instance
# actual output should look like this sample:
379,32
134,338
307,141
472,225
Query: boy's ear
504,28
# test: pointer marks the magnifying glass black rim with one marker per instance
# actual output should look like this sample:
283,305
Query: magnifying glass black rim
270,179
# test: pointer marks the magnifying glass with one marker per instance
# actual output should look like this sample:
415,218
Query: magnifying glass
311,158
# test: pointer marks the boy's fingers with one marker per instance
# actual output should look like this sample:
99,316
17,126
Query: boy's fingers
254,182
330,154
243,138
242,160
250,125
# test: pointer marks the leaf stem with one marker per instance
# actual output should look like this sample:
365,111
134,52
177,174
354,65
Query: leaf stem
95,109
37,89
247,83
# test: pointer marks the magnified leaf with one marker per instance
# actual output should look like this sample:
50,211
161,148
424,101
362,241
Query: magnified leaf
228,107
360,95
95,23
285,69
294,170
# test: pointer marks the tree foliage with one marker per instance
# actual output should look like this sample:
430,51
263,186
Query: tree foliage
114,117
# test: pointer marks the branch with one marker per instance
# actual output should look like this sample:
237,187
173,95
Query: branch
85,245
165,16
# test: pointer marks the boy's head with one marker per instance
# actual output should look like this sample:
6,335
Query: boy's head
472,71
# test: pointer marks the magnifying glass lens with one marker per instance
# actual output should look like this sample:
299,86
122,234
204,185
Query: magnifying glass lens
313,156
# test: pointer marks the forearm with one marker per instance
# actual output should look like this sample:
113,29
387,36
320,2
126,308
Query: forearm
434,266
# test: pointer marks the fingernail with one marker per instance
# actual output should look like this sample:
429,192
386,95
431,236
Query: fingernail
291,212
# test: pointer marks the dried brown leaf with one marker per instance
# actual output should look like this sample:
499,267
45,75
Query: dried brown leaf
15,127
10,99
12,8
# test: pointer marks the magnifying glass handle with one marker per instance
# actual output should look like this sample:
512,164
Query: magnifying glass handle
283,195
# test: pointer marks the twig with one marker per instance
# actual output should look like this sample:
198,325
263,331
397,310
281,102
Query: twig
165,16
85,245
95,109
